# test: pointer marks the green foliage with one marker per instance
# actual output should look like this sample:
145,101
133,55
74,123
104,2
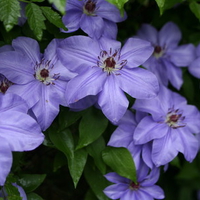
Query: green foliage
35,19
121,161
31,181
92,125
10,11
195,8
53,17
33,196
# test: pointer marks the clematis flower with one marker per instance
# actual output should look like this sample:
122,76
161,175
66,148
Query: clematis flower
38,78
105,69
171,126
20,133
168,57
95,17
144,189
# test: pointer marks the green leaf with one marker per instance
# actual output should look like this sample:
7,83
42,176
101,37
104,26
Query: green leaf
96,180
160,3
53,17
90,195
10,11
63,141
119,4
33,196
92,125
121,161
59,4
95,150
31,181
195,8
37,0
35,19
59,161
12,192
77,164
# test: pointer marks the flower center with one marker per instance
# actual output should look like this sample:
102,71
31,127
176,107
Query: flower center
4,84
175,118
158,51
89,7
43,72
134,186
110,61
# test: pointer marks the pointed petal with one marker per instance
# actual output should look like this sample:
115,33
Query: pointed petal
194,68
169,35
164,150
18,69
131,194
154,191
146,154
115,191
187,144
112,100
138,82
152,177
89,83
110,29
29,47
108,44
149,33
21,131
115,178
183,55
5,160
71,4
136,52
71,20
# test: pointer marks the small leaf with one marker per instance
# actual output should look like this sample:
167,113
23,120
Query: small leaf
119,4
59,4
31,181
10,12
53,17
92,125
121,161
96,180
95,150
195,8
35,19
77,164
33,196
63,141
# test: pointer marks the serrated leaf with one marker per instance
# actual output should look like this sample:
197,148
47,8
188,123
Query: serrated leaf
119,4
35,19
63,141
59,4
10,11
96,181
33,196
31,181
94,151
121,161
77,164
195,8
53,17
92,125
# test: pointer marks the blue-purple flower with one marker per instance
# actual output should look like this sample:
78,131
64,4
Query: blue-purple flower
107,70
38,78
168,57
95,17
143,189
171,126
18,131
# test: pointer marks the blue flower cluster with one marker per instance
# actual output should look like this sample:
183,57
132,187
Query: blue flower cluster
97,70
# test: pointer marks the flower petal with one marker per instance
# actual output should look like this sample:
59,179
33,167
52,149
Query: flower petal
183,55
110,29
29,47
112,100
194,68
138,82
21,131
136,51
169,35
89,83
5,160
149,33
154,191
115,178
115,191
